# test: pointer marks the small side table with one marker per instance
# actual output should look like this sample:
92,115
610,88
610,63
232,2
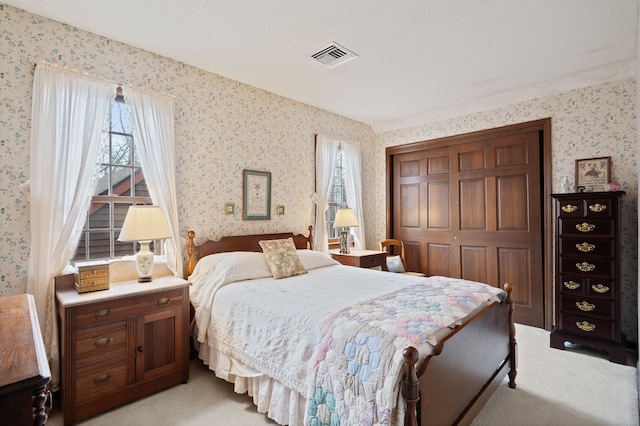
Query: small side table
361,258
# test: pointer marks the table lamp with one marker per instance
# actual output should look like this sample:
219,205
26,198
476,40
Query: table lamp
344,219
144,224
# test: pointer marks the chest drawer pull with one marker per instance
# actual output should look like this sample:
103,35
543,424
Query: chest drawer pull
598,208
600,288
164,301
585,227
585,306
103,342
103,313
585,267
571,285
569,208
586,247
101,379
585,326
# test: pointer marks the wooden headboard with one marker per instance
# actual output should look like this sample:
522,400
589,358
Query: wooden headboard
240,243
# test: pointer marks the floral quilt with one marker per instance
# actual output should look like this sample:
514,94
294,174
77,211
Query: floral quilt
357,360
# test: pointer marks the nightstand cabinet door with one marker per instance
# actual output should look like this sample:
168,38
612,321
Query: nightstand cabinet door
587,272
121,344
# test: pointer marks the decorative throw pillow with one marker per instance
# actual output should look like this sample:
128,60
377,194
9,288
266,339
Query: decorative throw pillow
394,264
282,258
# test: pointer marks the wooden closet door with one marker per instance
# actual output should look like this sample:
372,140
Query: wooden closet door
473,210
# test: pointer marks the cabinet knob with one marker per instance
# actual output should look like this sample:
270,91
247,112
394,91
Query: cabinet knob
571,285
569,208
585,306
103,313
164,301
103,341
585,227
586,267
585,326
586,247
600,288
597,208
101,379
140,348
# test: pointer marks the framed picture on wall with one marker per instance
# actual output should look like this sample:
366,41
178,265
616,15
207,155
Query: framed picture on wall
256,195
592,174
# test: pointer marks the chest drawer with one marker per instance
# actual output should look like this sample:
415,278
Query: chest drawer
587,327
118,309
586,246
585,228
599,207
587,307
581,286
587,266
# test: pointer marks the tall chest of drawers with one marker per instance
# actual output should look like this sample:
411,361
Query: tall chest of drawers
587,272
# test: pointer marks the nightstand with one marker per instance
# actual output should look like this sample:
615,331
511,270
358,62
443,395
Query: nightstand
361,258
121,344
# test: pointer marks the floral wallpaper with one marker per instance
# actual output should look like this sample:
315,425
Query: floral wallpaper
596,121
223,126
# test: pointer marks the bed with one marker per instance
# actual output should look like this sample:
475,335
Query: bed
443,379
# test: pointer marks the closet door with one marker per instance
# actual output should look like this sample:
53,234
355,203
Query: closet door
473,210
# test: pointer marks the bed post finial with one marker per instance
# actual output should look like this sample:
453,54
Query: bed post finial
513,355
191,250
310,237
410,385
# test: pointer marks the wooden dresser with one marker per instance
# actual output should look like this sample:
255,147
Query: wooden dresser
587,277
121,344
24,370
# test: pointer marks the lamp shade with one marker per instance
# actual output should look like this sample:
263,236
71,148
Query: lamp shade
144,223
345,218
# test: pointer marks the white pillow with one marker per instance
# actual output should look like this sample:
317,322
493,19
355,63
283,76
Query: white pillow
394,264
312,259
234,266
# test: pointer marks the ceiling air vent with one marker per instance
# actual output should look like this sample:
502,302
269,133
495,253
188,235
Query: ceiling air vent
333,55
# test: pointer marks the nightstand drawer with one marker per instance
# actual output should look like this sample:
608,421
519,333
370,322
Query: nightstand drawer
114,310
95,384
102,344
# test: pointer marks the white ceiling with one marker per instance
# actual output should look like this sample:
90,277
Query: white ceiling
419,60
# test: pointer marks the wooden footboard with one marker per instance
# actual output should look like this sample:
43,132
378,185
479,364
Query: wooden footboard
454,383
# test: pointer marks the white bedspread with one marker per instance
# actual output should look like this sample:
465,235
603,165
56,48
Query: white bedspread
272,326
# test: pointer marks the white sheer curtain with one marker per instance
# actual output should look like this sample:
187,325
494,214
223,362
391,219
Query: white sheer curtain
153,133
326,155
68,112
353,188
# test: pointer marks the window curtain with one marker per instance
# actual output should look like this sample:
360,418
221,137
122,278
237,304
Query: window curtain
326,155
68,112
353,188
153,133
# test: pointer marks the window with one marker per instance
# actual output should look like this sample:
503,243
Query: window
120,184
337,197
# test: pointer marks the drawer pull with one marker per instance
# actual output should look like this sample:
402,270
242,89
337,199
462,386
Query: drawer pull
585,227
585,326
101,379
571,285
103,313
586,267
569,208
600,288
585,306
586,247
598,208
103,342
164,301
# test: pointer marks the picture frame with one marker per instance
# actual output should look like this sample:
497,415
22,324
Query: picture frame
229,208
256,195
592,174
280,210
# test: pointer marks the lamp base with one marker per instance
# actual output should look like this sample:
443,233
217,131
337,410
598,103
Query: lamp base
144,262
344,242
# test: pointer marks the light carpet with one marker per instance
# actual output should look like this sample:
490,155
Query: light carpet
568,387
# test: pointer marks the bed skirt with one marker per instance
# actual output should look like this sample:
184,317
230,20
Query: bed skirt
281,404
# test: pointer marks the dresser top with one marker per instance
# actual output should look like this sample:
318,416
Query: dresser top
68,296
23,361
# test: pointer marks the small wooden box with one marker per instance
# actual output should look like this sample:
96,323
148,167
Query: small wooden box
92,276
